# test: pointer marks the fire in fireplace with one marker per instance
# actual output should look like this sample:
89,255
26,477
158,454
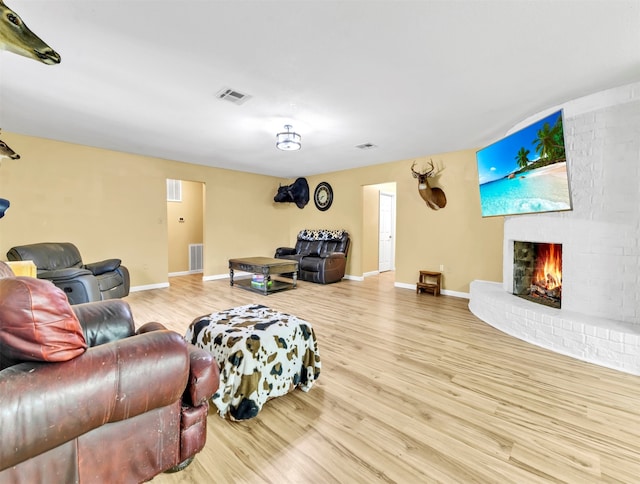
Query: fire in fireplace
537,272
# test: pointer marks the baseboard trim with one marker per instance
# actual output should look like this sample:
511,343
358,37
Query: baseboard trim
353,278
217,277
444,292
184,273
371,273
161,285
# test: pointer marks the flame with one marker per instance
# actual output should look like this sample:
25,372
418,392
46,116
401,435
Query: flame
548,273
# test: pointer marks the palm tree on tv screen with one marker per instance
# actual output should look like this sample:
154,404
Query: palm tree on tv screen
549,143
522,158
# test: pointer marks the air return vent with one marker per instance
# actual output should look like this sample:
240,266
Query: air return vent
366,146
231,95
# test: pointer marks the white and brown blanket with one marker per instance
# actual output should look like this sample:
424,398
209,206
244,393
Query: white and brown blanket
262,354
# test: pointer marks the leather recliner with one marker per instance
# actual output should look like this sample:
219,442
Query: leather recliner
61,263
119,406
321,255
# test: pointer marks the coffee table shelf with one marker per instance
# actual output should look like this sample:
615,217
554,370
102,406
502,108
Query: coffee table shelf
267,267
276,285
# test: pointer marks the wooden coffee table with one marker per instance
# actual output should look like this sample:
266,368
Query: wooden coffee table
267,267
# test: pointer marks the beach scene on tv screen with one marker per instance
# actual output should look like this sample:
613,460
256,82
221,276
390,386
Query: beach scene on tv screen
525,172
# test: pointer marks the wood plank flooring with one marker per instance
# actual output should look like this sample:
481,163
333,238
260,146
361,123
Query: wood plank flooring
414,388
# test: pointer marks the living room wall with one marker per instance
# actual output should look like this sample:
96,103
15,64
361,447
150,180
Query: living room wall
113,204
456,236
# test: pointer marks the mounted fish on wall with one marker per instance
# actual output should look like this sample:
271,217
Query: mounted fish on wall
16,37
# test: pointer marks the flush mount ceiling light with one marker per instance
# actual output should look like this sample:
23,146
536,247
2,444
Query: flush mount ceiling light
288,140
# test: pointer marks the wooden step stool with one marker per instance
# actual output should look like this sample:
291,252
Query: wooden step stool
429,281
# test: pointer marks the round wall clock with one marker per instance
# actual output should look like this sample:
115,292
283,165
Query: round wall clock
323,196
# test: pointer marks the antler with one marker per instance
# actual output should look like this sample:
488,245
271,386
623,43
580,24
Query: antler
415,173
430,172
427,172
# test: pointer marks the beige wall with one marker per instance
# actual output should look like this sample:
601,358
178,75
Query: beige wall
113,204
370,214
457,237
185,223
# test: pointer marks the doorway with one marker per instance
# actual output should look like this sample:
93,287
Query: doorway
185,227
386,229
378,228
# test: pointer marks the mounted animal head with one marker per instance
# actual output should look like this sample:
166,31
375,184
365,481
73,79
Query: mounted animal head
6,152
434,197
4,205
16,37
297,192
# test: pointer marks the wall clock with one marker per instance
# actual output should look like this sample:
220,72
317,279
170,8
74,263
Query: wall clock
323,196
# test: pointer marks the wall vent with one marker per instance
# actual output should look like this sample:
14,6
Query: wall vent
174,190
195,258
231,95
366,146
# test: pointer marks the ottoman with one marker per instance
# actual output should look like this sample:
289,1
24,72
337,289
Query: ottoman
262,354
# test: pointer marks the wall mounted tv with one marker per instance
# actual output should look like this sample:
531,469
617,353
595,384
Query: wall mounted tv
525,172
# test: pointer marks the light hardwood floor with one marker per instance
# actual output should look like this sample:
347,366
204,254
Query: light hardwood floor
414,388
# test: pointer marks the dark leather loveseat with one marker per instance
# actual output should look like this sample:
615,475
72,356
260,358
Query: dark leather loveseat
60,262
86,398
321,255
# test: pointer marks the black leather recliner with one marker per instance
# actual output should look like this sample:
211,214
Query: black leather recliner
321,255
60,262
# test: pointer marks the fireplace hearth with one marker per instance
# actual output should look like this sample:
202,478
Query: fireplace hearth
537,272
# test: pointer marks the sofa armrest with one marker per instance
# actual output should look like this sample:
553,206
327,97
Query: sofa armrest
204,372
105,321
47,404
204,376
285,251
64,274
332,255
107,265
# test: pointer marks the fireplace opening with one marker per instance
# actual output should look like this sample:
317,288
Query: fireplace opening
537,272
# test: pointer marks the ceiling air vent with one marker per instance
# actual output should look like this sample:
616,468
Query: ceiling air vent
366,146
231,95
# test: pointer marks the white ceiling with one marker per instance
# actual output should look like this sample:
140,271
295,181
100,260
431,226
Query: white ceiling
414,78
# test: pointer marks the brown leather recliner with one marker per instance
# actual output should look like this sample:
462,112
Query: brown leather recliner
86,398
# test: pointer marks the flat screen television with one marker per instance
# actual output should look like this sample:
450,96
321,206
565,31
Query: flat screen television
525,172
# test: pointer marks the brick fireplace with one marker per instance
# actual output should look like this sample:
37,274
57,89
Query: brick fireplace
599,318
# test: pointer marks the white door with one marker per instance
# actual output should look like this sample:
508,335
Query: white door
386,224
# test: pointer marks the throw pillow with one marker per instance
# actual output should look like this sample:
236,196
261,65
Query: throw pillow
37,322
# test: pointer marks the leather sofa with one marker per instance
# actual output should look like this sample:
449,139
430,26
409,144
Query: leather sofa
61,263
321,255
86,398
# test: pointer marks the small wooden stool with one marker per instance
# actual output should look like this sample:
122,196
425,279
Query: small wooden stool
429,281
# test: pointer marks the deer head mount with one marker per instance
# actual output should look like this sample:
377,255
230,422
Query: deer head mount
434,197
6,152
16,37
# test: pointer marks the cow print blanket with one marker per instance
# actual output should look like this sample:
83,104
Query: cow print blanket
262,354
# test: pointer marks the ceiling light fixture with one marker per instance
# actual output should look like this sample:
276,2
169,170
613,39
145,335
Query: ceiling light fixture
288,140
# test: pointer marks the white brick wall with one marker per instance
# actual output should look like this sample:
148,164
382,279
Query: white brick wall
600,316
601,235
597,340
